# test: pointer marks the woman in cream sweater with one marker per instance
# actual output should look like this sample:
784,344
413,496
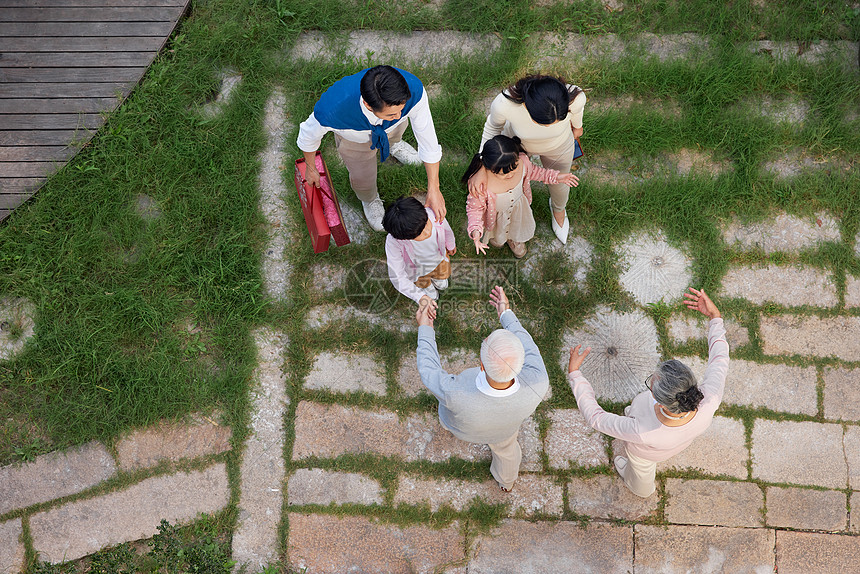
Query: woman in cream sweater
546,114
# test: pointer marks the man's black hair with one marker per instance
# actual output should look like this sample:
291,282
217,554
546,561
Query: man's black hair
406,218
384,86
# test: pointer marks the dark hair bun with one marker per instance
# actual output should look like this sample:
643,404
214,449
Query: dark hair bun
689,399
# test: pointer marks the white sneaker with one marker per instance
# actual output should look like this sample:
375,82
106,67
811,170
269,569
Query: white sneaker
440,284
560,231
405,153
431,291
373,211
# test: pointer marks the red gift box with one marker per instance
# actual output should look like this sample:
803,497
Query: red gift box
320,207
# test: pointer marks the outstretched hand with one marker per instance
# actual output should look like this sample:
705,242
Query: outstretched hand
568,179
426,313
699,301
576,358
499,300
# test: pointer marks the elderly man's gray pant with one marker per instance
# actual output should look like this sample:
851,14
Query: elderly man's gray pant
506,461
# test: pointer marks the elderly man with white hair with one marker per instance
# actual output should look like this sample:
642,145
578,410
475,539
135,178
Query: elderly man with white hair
487,404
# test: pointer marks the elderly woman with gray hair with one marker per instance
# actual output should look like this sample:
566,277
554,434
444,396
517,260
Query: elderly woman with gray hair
663,420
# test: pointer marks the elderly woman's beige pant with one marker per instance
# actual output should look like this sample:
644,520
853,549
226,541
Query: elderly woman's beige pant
638,474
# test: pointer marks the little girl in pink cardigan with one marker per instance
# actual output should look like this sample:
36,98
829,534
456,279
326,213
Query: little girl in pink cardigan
502,214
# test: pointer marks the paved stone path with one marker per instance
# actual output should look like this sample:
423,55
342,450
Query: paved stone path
764,493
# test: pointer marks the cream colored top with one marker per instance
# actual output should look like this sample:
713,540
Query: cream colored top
536,138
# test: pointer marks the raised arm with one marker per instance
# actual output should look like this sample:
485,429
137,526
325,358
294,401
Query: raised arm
433,376
546,175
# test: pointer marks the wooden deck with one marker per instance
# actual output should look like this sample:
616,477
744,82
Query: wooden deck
62,64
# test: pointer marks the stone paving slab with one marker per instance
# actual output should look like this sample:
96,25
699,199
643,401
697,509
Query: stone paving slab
318,486
172,441
276,267
531,494
15,312
11,547
686,327
373,47
86,526
572,49
714,502
790,111
799,452
347,372
603,496
531,446
328,431
811,336
720,450
851,444
812,53
623,352
783,388
577,255
784,232
571,440
653,270
841,394
321,543
230,80
255,539
806,509
852,289
519,547
806,552
54,475
453,361
788,285
703,549
328,314
328,277
854,517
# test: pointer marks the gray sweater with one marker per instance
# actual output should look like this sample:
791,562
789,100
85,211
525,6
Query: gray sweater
468,413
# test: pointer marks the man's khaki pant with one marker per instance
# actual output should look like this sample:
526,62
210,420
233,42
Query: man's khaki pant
360,162
506,461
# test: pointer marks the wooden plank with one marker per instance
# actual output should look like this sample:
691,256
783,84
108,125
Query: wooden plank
87,3
71,74
58,105
65,90
14,169
13,200
85,29
76,59
72,44
20,185
44,137
92,14
4,213
50,121
37,153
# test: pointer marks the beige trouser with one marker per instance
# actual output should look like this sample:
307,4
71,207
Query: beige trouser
360,162
506,461
638,474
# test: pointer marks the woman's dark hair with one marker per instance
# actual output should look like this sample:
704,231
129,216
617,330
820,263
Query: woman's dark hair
384,86
547,98
406,218
500,155
674,386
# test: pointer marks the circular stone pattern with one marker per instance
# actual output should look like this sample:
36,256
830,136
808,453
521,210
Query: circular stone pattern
623,352
16,325
575,258
653,270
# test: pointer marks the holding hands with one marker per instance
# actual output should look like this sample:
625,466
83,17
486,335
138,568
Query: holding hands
699,301
426,311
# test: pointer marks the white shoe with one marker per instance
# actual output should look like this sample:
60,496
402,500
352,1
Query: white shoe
431,291
405,153
373,211
560,231
440,284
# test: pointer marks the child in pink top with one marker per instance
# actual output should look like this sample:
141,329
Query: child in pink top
502,213
664,420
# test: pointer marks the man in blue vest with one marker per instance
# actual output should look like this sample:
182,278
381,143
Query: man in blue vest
369,111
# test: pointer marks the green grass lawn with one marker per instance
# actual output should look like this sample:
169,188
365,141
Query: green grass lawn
140,320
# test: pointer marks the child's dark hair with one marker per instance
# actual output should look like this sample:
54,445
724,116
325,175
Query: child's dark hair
500,155
383,86
547,98
406,218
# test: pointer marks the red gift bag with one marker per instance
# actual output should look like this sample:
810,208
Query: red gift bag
320,207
